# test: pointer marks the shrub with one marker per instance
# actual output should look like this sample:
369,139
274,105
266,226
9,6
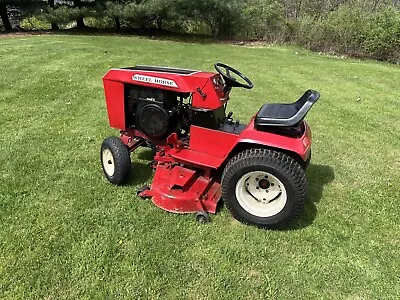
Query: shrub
338,31
353,32
263,19
382,35
64,15
99,22
344,29
34,23
223,17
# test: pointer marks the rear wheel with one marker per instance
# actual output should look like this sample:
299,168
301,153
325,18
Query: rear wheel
264,187
115,160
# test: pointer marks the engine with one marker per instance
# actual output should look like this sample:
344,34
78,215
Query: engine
155,112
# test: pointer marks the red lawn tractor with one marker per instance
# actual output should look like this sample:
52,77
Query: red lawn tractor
200,153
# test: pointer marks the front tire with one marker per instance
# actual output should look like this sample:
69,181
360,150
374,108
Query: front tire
264,187
115,160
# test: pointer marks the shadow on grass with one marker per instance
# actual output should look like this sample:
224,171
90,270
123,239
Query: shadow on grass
149,33
146,154
317,177
140,174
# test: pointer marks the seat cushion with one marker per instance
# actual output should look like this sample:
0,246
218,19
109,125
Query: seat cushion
277,111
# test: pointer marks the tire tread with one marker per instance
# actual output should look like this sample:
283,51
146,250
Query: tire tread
276,160
122,160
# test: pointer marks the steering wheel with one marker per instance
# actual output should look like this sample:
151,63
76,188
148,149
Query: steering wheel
231,81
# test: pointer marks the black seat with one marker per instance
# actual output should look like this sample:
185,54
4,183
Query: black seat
286,114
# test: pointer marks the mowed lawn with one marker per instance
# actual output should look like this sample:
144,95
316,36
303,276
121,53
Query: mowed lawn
66,233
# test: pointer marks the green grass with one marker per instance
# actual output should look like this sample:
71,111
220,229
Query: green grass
66,233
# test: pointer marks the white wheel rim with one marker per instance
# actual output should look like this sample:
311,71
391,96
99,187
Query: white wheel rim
108,162
261,194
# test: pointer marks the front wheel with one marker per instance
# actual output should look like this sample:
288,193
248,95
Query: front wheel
115,160
264,187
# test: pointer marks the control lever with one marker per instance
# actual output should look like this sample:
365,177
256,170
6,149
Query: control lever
229,116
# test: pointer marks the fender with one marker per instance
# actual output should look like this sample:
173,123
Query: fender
299,146
212,148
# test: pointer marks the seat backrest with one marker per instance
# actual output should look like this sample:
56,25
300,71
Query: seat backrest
309,96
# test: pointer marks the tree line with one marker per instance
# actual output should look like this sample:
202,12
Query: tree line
367,28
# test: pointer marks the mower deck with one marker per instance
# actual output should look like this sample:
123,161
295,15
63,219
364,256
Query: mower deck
179,189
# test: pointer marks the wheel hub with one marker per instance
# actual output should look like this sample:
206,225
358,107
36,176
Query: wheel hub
264,184
262,189
108,162
261,193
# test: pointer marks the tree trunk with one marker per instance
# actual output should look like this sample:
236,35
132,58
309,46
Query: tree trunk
212,28
4,17
54,26
117,24
159,24
79,22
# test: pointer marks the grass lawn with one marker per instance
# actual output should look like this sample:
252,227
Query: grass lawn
66,233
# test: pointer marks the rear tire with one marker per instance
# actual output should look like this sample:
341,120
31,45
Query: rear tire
115,160
263,187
